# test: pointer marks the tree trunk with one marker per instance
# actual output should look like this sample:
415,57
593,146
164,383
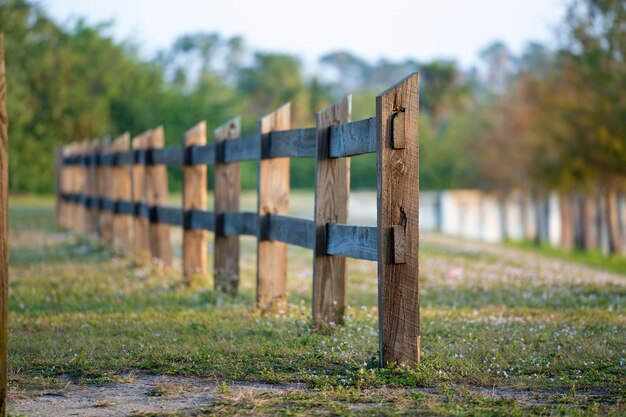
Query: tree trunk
539,215
590,223
567,236
579,224
612,215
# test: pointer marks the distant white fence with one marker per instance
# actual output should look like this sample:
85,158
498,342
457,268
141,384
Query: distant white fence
475,214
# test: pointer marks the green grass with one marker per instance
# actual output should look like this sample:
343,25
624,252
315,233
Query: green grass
511,320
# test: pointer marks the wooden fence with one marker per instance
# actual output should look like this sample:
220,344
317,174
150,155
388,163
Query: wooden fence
122,194
4,234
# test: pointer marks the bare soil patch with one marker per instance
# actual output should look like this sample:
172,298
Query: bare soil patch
166,394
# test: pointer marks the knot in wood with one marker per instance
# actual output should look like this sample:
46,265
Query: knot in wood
400,166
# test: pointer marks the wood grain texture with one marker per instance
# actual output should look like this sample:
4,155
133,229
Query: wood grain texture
398,204
399,244
357,242
122,191
91,189
226,186
398,133
74,174
292,230
194,198
157,195
245,148
63,187
354,138
332,191
4,233
273,198
295,143
99,186
66,180
77,180
141,225
81,183
58,172
105,188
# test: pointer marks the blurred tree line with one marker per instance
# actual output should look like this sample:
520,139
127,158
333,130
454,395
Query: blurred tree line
549,119
76,82
556,121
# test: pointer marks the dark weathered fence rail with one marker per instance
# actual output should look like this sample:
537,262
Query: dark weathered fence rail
100,180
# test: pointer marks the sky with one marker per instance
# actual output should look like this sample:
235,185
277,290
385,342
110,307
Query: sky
393,29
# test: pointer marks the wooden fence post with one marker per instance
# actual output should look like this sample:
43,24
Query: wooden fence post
332,193
227,187
58,160
77,174
397,155
4,234
72,183
194,198
141,224
63,186
105,190
74,218
81,187
91,189
121,191
273,198
68,184
157,195
101,186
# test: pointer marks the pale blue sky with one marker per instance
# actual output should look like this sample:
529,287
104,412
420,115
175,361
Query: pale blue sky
395,29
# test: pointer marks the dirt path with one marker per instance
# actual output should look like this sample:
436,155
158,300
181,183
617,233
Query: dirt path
142,394
165,395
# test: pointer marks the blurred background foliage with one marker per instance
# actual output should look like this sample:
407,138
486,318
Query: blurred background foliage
550,119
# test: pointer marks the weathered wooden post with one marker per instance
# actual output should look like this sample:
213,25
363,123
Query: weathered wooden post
91,188
83,224
397,139
227,187
122,191
157,195
273,198
102,187
141,224
4,234
194,198
58,160
66,187
332,193
105,189
73,175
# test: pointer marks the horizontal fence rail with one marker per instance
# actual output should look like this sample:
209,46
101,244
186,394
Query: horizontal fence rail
119,188
348,139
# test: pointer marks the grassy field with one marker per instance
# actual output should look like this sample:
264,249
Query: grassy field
505,332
